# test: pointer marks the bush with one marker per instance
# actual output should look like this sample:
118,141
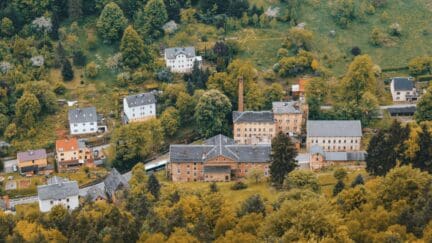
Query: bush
59,89
355,51
238,186
79,59
164,75
214,187
91,70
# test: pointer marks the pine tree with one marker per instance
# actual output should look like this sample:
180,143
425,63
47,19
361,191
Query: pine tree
79,59
340,185
282,158
59,55
75,9
357,181
67,71
150,21
133,49
153,186
377,162
253,204
423,158
424,107
111,22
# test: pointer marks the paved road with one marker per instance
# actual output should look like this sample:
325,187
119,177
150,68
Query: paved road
161,160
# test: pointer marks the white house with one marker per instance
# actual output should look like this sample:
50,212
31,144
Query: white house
403,89
181,59
334,136
83,121
139,107
58,191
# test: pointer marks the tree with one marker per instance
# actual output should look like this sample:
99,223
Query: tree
377,161
1,165
150,21
170,120
423,158
300,38
424,107
111,22
153,186
213,187
282,158
340,174
67,71
255,175
252,204
340,185
133,49
211,113
185,104
59,55
173,10
43,92
79,59
27,110
6,27
357,181
75,9
299,179
420,65
272,93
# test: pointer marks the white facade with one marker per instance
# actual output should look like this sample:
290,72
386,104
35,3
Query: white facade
139,113
402,94
69,203
83,128
335,144
181,59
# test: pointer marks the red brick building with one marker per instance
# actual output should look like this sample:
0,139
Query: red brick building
218,159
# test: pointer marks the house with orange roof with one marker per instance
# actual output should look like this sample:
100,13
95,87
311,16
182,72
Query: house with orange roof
300,88
72,153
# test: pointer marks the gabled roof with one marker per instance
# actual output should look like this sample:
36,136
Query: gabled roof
140,99
402,84
220,146
350,128
253,117
171,53
65,145
95,192
289,107
60,190
114,181
32,155
80,115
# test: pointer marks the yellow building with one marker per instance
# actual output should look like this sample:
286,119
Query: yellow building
289,117
253,127
32,161
71,153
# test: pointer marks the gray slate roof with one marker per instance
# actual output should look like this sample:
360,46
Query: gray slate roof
57,191
217,169
220,146
95,192
80,115
403,84
114,182
253,116
286,107
350,128
171,53
402,110
32,155
140,99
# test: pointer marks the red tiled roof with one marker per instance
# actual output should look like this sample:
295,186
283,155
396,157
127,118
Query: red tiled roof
67,145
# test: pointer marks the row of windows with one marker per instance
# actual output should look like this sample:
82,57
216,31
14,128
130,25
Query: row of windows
84,130
334,141
144,107
295,128
142,114
91,124
255,129
295,121
338,147
255,135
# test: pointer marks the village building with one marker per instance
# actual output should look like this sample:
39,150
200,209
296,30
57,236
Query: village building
83,121
139,107
115,184
58,191
181,59
218,159
403,89
73,153
334,136
299,89
32,162
289,117
95,193
254,127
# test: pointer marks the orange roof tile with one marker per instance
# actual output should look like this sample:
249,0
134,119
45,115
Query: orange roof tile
67,145
302,84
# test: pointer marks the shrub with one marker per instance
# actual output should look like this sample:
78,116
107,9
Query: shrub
355,51
238,186
79,59
395,29
164,75
91,70
420,65
214,187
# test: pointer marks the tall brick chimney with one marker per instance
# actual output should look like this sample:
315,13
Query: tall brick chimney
240,94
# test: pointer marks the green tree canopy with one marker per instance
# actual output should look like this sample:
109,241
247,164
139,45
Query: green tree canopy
111,22
282,158
133,50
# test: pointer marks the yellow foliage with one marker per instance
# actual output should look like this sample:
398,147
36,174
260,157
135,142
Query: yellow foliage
315,64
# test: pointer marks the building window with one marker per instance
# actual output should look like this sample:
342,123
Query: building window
67,200
51,202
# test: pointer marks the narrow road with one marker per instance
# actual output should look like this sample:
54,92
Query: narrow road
158,162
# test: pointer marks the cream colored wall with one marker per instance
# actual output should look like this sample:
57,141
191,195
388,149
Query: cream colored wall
248,133
337,144
289,122
67,155
39,163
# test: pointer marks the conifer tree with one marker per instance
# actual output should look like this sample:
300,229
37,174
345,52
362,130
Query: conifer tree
153,186
111,22
340,185
424,107
75,9
133,49
423,158
150,21
357,181
282,158
67,71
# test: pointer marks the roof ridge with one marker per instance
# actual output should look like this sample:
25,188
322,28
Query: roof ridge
235,155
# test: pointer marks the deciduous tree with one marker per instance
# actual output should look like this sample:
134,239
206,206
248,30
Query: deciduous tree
111,22
133,50
283,156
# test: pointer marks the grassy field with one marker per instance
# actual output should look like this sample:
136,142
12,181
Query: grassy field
261,45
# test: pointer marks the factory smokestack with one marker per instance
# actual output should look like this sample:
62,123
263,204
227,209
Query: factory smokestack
240,94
